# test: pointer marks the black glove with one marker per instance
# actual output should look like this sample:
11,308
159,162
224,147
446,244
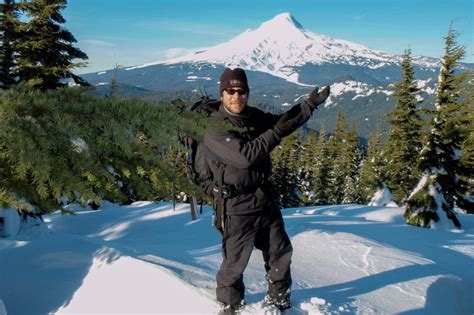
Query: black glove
285,125
315,99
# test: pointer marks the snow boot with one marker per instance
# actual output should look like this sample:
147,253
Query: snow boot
282,304
227,309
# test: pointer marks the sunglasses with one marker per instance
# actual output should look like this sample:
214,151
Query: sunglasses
231,91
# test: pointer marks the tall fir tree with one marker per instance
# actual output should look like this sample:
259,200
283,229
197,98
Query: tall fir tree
321,171
404,136
467,147
285,159
343,147
351,159
314,170
46,53
441,185
372,169
9,37
335,151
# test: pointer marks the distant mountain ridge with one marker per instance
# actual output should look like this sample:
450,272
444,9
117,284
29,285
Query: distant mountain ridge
283,61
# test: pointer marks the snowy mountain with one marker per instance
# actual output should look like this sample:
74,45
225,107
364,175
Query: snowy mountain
283,60
281,45
281,48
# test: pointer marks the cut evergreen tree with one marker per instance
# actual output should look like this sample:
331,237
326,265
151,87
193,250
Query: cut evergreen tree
441,186
404,136
9,36
46,52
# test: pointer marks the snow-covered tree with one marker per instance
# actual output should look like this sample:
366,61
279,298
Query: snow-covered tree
314,170
383,197
306,168
441,187
404,136
343,149
351,158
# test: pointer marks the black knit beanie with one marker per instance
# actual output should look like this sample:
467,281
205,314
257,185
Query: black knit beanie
234,78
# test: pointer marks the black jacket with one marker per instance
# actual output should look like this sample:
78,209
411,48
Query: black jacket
242,158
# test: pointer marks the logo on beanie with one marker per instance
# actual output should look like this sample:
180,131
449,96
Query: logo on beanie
237,83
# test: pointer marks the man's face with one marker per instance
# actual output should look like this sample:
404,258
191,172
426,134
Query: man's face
234,99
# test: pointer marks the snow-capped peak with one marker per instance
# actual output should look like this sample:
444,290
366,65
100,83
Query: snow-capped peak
282,44
282,21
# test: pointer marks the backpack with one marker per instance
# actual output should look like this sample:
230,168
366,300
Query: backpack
197,168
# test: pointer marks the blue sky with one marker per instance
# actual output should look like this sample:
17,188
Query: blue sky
134,32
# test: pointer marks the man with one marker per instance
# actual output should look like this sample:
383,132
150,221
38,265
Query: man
247,214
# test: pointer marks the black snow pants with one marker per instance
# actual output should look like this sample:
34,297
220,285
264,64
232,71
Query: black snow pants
266,232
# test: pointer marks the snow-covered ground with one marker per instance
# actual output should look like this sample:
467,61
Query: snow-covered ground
149,258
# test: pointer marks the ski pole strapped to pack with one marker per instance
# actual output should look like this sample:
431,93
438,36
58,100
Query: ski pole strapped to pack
205,105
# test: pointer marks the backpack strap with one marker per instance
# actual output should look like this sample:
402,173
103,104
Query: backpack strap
219,199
